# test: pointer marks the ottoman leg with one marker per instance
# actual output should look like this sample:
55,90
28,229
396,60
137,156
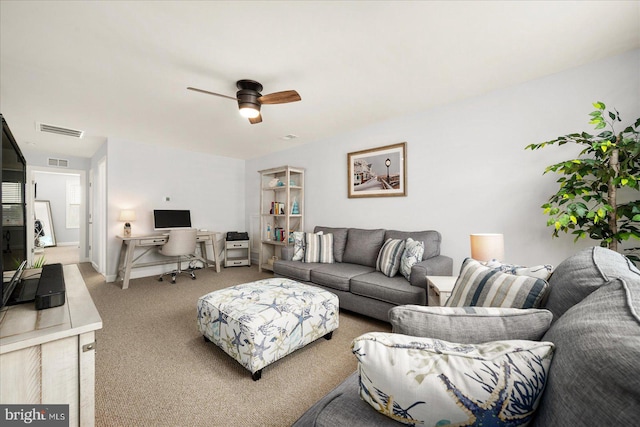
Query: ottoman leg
328,336
206,339
256,375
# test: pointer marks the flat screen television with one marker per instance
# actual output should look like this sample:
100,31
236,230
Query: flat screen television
166,219
13,226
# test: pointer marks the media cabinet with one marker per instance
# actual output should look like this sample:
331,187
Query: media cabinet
48,356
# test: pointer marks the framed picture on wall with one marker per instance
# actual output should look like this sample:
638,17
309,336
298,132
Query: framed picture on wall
378,172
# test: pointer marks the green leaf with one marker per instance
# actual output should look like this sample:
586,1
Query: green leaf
599,105
613,116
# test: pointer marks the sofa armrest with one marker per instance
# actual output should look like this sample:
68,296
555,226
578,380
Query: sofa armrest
287,253
470,325
440,265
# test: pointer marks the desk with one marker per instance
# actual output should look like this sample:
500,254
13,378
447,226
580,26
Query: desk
126,261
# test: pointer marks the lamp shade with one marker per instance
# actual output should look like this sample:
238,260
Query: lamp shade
487,246
127,215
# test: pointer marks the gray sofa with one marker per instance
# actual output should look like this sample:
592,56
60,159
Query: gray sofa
353,276
594,377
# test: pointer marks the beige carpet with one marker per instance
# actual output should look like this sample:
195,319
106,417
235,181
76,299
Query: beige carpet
62,254
153,367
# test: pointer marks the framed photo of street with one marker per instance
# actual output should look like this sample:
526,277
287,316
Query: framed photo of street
378,172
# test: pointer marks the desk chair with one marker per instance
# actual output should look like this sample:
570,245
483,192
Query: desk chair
181,243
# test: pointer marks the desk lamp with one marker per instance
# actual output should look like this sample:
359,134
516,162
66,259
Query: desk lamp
127,215
487,246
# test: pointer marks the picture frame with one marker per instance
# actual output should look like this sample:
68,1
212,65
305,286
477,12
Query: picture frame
378,172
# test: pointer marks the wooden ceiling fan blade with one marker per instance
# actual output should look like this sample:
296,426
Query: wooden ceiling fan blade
212,93
256,120
280,97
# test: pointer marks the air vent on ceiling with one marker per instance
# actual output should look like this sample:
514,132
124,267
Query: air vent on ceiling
61,163
58,130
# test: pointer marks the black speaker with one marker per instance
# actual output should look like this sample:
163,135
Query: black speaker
51,289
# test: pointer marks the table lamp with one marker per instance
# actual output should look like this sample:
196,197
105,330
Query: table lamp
127,215
487,246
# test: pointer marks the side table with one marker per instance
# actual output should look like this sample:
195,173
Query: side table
237,253
439,289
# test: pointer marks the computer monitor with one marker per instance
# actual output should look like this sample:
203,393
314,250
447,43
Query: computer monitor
165,219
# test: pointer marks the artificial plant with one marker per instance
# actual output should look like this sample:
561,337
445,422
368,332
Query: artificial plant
586,203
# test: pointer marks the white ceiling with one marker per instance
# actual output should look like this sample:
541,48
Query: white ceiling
120,69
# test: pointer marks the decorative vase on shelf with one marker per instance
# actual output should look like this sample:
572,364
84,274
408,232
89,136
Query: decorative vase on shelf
294,209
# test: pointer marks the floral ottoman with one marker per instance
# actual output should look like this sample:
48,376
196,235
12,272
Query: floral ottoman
260,322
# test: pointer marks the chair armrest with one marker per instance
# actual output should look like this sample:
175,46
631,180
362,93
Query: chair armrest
440,265
287,253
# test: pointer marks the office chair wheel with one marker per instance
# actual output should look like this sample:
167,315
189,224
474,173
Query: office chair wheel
193,276
160,279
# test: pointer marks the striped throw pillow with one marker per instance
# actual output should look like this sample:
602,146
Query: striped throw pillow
482,286
389,257
318,248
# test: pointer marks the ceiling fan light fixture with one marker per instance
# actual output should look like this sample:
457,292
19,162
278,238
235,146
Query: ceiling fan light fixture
249,111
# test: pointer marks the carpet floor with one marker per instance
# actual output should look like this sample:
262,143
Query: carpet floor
153,367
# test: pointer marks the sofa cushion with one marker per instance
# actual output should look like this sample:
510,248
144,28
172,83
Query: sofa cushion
470,325
481,286
342,406
337,275
579,275
318,248
339,240
363,246
412,255
430,238
422,381
394,290
595,380
296,270
388,262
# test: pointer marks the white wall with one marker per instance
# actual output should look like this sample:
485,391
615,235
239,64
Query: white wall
467,168
140,175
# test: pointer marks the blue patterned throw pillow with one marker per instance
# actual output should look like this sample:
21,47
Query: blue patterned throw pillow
389,257
424,381
412,255
299,245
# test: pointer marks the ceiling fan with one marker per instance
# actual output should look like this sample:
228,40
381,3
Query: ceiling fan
250,99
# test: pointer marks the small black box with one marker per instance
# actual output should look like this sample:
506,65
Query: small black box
237,235
51,288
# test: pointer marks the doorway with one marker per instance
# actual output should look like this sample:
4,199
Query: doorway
62,193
